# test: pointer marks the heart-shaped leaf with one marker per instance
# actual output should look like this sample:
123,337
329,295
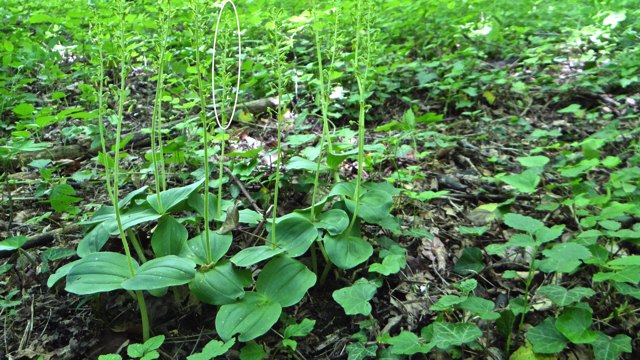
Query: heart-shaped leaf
447,334
481,307
574,323
169,238
251,316
222,284
355,299
470,262
527,182
99,272
524,223
347,252
610,349
563,297
285,280
408,343
546,339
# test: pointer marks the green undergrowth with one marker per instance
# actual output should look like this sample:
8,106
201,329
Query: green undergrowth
562,240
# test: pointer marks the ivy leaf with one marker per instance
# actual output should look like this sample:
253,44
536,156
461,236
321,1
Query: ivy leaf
355,299
252,352
446,302
527,182
546,339
505,322
574,323
480,307
407,343
470,262
393,260
524,223
563,297
302,329
212,349
448,334
357,351
610,349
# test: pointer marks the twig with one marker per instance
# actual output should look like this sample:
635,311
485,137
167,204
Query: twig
244,191
261,224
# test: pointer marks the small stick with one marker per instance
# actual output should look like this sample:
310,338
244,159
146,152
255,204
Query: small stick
244,191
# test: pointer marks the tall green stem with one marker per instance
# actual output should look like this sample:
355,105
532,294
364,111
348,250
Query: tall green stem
324,101
140,296
361,79
205,127
165,25
278,73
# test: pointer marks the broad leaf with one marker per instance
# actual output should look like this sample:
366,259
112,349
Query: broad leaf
169,238
251,316
346,251
172,197
196,248
162,272
374,206
335,221
222,284
99,272
284,280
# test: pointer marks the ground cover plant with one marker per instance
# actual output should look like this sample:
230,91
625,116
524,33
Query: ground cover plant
319,180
